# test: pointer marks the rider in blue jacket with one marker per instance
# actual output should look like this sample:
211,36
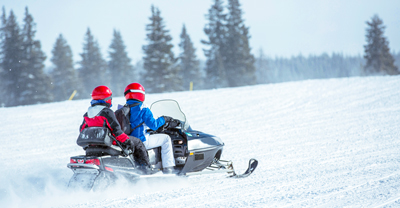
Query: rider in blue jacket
141,119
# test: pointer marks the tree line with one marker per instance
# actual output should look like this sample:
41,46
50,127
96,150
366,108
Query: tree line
377,60
229,60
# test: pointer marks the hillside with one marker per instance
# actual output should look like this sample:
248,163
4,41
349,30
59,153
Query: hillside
320,143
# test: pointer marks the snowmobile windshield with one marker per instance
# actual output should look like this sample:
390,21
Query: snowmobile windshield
169,108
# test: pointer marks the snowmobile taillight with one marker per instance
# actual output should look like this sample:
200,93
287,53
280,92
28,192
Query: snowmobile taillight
93,161
73,161
109,169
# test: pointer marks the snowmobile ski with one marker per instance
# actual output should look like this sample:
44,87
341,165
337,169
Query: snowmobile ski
252,166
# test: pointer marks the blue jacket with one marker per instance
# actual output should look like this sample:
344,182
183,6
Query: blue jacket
139,115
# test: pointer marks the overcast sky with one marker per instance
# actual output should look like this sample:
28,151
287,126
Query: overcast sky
281,28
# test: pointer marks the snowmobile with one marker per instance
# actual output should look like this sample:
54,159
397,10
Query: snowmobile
195,153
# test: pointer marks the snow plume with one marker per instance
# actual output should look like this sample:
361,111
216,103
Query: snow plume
137,194
48,187
40,187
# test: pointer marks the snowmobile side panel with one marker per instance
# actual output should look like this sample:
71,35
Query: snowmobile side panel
200,159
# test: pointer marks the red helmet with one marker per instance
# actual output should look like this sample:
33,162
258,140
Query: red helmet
134,91
102,93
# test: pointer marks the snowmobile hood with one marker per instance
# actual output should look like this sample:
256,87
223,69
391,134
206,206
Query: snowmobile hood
198,140
94,110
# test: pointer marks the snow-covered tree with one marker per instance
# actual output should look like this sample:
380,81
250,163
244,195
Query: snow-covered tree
216,31
22,62
262,68
65,77
11,55
119,66
188,62
36,85
396,57
377,51
239,62
93,67
161,71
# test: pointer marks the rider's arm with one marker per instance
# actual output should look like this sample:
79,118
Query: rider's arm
149,120
83,125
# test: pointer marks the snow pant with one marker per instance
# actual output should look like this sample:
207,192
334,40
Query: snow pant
139,151
163,141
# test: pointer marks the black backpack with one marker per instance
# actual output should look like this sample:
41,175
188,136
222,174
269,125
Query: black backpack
123,114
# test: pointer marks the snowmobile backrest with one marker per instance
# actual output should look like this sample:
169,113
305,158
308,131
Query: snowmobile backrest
95,136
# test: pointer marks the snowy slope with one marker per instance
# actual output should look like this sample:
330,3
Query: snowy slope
320,143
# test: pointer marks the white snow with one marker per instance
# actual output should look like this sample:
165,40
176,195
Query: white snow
319,143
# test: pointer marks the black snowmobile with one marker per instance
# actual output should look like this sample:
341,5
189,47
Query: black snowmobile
195,153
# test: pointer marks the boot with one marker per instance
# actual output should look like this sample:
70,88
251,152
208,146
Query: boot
170,170
146,169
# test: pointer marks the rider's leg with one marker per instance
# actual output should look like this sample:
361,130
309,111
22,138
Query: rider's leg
140,152
163,141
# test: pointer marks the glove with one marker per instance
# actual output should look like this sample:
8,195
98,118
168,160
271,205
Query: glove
126,144
167,119
174,123
170,122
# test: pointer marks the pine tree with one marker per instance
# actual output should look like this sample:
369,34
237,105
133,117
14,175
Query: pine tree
262,69
188,61
120,68
93,69
3,24
396,57
11,55
239,61
65,77
2,71
377,52
216,29
36,85
161,69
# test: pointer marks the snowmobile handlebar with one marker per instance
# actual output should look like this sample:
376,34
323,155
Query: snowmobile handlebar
171,124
